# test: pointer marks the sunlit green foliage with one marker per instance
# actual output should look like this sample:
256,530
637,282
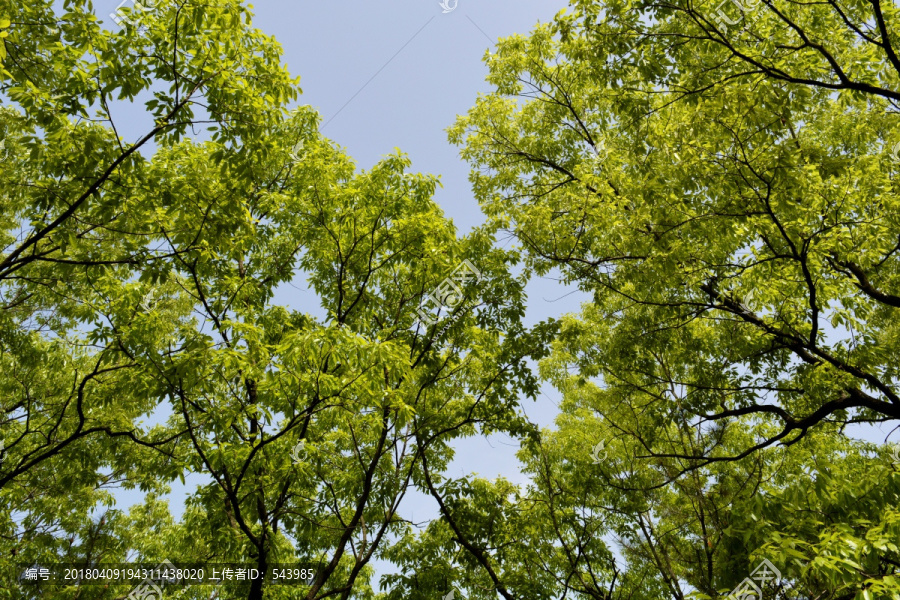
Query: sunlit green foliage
138,285
722,185
725,189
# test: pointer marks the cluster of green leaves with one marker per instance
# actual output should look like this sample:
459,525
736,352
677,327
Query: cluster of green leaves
137,288
727,195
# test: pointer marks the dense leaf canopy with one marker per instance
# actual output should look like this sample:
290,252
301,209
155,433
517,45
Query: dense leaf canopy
721,179
138,284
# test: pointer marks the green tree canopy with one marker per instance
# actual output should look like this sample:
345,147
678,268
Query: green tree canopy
721,178
137,283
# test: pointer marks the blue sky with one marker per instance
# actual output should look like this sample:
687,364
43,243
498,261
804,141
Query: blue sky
336,47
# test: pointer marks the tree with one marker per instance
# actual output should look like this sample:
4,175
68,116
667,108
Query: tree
137,286
72,215
722,181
